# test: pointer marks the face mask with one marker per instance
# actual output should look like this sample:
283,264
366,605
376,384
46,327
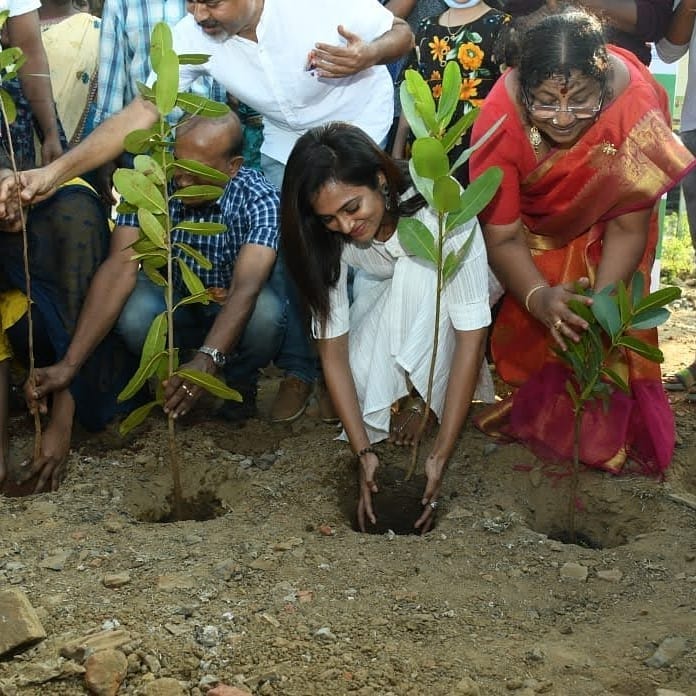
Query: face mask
461,5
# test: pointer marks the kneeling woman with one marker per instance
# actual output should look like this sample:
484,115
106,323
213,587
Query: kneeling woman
341,201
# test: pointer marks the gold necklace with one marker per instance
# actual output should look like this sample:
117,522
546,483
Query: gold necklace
535,138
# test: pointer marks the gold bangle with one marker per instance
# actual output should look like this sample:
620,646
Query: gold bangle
531,292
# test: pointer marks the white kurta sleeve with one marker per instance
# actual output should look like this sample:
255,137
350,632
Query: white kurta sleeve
337,322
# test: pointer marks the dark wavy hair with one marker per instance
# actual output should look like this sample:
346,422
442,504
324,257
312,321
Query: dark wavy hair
561,43
335,152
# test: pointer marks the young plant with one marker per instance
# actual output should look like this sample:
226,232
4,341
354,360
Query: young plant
614,313
146,190
433,177
11,60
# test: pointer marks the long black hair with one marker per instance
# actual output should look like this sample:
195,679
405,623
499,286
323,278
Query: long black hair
335,152
558,44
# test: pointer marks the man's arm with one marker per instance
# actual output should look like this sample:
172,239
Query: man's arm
645,19
400,8
358,55
101,146
110,288
679,31
251,271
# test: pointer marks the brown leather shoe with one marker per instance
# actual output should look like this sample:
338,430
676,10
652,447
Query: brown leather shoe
291,400
327,412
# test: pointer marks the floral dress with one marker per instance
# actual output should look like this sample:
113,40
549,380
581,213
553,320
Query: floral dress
473,46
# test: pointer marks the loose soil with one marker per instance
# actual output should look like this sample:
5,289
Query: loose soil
266,585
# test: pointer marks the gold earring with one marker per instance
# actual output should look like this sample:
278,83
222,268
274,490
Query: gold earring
535,138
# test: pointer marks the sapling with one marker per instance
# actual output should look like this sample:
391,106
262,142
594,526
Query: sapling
11,60
433,176
145,190
615,312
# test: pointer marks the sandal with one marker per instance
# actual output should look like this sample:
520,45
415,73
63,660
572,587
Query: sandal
684,380
406,419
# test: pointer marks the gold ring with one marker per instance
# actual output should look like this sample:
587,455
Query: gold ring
557,324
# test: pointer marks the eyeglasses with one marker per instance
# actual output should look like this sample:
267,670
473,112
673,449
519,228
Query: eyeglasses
546,112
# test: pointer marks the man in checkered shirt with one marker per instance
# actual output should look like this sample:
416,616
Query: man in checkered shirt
245,321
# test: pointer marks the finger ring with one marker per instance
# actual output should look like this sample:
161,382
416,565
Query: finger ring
187,390
433,504
557,324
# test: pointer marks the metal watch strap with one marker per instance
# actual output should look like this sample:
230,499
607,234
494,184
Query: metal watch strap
217,356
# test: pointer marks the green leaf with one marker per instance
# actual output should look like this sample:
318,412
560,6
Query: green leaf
152,228
408,109
423,186
616,379
3,17
201,227
454,135
454,259
422,98
145,91
191,280
581,310
125,208
143,373
160,44
200,298
150,270
156,338
417,239
479,143
449,98
659,298
156,259
643,349
624,302
446,193
573,394
649,318
202,192
195,104
202,170
210,383
150,168
637,287
430,158
167,85
606,311
136,417
202,261
138,190
141,140
9,57
193,58
9,106
477,195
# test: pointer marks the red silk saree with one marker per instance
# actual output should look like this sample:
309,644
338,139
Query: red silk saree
624,162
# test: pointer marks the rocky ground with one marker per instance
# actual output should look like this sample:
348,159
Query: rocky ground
274,593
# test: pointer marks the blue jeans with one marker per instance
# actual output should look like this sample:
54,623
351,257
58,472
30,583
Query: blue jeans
256,348
297,355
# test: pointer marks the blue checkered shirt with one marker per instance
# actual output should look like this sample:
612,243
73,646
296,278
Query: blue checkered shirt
249,207
124,52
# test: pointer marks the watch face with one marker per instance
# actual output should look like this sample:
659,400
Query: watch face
218,358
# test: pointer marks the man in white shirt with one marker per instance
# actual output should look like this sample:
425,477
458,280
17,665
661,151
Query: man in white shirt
680,38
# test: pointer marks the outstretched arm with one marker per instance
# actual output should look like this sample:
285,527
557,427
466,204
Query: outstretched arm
358,55
679,31
339,381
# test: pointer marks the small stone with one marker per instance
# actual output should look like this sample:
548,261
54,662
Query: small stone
324,633
56,561
305,596
271,620
113,525
224,690
105,672
668,692
116,580
288,545
467,687
19,623
613,575
164,687
326,530
226,570
175,582
690,557
489,448
207,636
574,571
669,650
266,461
79,648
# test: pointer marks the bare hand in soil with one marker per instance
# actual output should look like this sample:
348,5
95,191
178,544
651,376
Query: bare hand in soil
180,395
434,471
50,466
368,486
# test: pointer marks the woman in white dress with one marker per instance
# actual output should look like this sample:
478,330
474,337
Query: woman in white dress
341,201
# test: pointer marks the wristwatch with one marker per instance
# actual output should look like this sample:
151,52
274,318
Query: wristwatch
218,357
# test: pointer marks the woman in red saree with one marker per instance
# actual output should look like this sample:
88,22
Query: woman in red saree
586,150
